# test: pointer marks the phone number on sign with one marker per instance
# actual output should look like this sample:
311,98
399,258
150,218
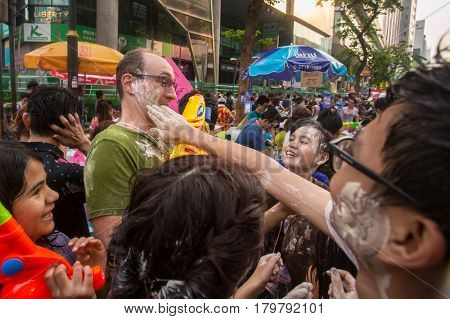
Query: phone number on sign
281,307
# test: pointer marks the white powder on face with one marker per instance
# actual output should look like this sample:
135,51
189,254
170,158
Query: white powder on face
359,221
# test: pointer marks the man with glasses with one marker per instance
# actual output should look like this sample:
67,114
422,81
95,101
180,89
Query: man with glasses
389,201
125,148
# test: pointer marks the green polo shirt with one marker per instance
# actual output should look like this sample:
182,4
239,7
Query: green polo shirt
113,160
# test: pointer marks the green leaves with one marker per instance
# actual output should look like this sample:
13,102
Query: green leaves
238,36
389,64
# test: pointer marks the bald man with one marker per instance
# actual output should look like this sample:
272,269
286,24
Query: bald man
123,149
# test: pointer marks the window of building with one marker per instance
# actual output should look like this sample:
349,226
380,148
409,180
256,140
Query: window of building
306,36
199,8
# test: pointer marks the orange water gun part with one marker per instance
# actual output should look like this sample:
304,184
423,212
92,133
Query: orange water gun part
23,264
194,113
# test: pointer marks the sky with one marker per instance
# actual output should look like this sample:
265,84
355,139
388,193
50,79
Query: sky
436,24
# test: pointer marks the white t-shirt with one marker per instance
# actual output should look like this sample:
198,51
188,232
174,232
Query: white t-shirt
348,115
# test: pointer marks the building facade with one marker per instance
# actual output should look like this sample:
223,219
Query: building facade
191,32
180,29
391,27
420,41
408,22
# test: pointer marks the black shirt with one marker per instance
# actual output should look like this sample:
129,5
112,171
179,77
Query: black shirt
67,180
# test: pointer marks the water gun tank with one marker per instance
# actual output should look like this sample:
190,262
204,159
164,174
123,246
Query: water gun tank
23,264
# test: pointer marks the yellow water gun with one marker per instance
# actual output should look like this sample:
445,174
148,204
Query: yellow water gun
194,113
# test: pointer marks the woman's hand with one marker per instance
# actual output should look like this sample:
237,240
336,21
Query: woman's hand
302,291
171,125
72,135
61,287
267,271
343,285
90,251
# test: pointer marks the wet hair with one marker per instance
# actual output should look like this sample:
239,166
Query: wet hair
330,120
13,163
32,85
271,115
416,153
262,99
193,229
46,105
131,62
99,94
102,112
324,135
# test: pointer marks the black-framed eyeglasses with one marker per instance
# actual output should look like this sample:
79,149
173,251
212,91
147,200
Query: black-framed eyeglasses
164,81
342,151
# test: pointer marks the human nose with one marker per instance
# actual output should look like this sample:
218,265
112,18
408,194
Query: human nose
52,196
170,94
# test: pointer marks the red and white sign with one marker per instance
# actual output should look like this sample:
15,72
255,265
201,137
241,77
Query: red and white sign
90,79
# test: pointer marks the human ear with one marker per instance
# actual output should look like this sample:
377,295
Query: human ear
415,243
127,80
322,158
26,118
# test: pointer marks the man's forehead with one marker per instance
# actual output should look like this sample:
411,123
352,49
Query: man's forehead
156,65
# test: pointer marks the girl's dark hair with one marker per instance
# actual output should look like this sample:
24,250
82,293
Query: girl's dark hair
102,112
13,162
330,120
192,230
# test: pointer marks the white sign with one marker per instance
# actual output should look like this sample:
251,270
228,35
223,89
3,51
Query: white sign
36,32
312,79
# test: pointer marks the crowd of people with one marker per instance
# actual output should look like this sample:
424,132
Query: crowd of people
299,198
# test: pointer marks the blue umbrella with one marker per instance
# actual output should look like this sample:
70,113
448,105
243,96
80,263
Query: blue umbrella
284,62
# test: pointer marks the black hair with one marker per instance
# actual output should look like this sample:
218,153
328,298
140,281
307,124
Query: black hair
13,162
262,99
416,153
211,102
330,120
46,105
381,104
32,85
102,111
99,94
271,115
80,89
193,229
25,95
